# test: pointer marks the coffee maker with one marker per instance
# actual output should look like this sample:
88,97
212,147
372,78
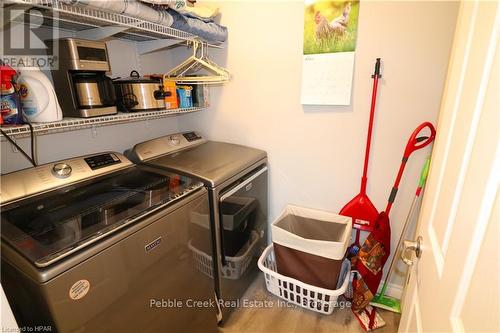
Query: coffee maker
80,82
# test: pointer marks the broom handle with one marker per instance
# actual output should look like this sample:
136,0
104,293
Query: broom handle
421,183
376,75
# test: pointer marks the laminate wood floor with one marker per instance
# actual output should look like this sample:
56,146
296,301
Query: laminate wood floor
278,318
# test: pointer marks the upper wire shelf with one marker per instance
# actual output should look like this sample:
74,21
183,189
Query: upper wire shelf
79,18
73,124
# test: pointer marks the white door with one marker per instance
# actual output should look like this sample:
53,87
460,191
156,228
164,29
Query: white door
455,284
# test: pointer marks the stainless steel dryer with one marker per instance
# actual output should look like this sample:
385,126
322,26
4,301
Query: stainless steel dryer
97,244
236,179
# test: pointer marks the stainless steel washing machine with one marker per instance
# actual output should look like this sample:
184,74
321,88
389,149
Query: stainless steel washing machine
97,244
236,179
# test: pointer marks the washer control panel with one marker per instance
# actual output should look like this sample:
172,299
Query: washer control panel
191,136
61,170
101,161
174,140
27,182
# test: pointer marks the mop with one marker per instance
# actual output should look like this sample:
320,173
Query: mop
381,300
376,248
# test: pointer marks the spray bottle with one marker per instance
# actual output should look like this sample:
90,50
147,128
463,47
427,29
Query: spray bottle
11,112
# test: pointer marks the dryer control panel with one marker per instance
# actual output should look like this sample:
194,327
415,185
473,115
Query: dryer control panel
164,145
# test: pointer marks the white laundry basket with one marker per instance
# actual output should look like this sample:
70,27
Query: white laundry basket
236,266
310,245
302,294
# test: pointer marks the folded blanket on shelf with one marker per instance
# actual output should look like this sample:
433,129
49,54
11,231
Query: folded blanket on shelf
132,8
198,22
175,4
209,31
204,13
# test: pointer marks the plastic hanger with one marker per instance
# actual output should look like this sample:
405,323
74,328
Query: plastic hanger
198,61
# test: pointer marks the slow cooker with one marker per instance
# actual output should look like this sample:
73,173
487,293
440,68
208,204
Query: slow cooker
136,93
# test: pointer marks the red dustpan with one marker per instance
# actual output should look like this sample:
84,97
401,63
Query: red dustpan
360,208
362,211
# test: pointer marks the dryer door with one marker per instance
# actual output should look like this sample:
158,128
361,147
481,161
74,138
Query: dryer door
243,211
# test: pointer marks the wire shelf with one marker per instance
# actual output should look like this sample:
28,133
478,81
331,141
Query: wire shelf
78,18
73,124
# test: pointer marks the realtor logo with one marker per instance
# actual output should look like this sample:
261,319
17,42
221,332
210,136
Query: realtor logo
23,32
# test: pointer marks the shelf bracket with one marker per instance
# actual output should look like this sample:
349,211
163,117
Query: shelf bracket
13,147
100,33
155,45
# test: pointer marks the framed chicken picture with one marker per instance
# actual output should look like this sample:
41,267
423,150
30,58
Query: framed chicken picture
330,32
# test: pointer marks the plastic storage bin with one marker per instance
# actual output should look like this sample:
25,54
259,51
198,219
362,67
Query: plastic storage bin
302,294
309,245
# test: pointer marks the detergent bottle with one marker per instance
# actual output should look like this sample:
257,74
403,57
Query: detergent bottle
38,98
10,104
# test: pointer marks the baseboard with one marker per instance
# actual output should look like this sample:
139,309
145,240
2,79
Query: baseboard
393,290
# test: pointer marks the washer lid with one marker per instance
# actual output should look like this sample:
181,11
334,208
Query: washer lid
48,227
211,162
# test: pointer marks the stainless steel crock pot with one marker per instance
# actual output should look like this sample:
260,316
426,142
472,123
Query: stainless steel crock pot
137,93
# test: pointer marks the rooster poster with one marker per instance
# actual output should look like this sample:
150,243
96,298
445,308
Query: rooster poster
330,31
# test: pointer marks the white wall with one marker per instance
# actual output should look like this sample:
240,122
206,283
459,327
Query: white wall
316,153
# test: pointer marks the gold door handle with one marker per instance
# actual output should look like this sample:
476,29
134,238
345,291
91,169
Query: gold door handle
414,246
